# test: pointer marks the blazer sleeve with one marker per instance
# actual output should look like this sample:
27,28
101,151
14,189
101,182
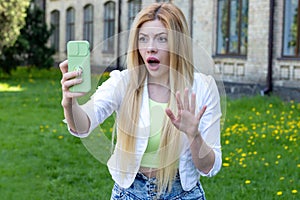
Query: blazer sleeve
105,100
209,126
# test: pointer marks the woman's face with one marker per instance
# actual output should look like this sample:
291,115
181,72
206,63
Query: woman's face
154,48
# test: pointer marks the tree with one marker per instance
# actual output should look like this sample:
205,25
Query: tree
12,19
31,46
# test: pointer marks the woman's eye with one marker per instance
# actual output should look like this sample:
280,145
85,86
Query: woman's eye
162,39
142,39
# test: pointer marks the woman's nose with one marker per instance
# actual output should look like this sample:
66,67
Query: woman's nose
151,48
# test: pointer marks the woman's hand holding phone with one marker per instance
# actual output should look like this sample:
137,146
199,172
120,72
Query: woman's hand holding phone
68,80
76,72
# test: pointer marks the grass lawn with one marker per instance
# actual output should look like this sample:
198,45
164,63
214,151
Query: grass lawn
39,159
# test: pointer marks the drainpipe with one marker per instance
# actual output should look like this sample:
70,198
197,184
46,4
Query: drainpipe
191,9
269,80
119,39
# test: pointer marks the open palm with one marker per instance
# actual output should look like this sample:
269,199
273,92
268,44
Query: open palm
186,120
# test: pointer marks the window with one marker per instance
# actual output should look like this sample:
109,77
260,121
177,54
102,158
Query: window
109,27
232,27
134,6
70,24
88,17
54,39
291,35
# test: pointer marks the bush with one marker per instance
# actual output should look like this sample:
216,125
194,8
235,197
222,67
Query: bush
30,48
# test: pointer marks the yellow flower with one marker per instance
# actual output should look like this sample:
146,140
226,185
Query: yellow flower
225,164
60,137
247,182
281,178
270,105
227,158
279,193
294,191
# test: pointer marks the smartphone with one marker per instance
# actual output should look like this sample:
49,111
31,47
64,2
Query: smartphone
79,59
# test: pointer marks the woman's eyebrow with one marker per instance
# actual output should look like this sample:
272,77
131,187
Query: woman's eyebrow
160,33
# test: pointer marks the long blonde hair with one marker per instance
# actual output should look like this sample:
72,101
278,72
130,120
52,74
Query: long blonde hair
180,76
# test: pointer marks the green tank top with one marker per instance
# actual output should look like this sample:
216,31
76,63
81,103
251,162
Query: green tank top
157,113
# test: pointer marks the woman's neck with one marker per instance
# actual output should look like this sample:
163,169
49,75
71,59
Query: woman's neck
158,92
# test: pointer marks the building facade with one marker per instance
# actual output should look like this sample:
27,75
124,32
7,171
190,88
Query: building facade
250,41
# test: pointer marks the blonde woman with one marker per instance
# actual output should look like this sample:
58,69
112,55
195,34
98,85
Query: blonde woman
168,116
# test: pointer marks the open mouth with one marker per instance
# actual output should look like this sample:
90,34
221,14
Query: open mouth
153,61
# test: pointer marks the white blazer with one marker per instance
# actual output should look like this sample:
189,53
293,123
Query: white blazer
108,98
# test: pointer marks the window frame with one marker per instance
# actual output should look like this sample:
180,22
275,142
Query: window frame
109,27
70,24
296,54
238,24
88,24
134,6
55,36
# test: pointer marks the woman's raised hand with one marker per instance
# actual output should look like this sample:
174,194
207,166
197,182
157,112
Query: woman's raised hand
186,120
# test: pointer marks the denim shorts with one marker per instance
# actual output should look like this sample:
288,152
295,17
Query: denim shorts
144,188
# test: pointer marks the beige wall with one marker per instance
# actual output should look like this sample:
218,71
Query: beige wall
250,69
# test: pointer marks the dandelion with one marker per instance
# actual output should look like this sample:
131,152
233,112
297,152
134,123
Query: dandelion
279,193
270,105
281,178
277,137
247,182
294,191
293,107
298,165
225,164
278,156
60,137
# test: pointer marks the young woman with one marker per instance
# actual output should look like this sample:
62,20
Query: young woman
168,116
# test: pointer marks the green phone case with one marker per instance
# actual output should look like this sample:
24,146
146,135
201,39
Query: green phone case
79,58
